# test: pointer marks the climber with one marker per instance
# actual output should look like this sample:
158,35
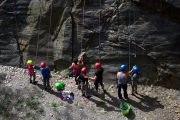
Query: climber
75,69
134,74
46,73
121,80
64,95
31,71
98,78
83,81
81,62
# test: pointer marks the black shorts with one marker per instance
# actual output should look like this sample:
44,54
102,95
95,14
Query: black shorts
97,82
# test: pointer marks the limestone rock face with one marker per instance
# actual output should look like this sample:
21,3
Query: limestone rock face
138,32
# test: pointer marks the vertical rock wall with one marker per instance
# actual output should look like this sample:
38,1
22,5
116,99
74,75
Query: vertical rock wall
117,31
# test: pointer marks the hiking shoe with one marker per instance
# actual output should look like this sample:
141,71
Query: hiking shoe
35,82
120,98
126,98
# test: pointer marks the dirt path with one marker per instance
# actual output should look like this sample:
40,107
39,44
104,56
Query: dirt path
21,100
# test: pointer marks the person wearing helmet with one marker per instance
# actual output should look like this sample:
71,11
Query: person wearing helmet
121,80
64,95
134,74
46,73
31,71
83,81
98,78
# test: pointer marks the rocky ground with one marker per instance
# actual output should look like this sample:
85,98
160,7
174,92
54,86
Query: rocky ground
20,100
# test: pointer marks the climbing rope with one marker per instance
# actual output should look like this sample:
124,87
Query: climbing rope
129,39
39,27
99,52
83,4
49,38
17,35
134,39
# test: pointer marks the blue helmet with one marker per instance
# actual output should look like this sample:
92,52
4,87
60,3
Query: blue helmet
135,69
122,67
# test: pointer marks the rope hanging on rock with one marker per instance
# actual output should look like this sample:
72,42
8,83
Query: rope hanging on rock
134,39
129,38
83,4
39,28
49,38
99,40
17,35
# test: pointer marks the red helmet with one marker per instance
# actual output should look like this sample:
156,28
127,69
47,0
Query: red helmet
97,65
84,70
43,64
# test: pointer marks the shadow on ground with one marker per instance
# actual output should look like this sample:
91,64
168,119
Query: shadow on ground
146,103
52,92
48,90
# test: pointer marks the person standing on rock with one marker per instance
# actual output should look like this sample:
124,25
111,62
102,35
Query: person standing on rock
46,73
98,78
121,80
75,69
31,71
134,74
83,81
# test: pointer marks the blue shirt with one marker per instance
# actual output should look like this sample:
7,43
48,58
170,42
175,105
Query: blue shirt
45,71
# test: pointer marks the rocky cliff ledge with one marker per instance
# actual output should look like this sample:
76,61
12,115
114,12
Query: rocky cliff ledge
120,31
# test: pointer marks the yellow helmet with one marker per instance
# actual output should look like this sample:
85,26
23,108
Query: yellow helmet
29,62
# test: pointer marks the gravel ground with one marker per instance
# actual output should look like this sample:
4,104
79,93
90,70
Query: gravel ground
21,100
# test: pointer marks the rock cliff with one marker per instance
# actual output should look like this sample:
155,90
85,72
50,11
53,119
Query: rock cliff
116,31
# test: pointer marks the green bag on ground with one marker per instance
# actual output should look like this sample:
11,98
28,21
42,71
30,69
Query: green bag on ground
125,108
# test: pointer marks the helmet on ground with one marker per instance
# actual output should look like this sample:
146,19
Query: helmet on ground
135,69
84,70
43,64
122,67
29,62
59,85
97,65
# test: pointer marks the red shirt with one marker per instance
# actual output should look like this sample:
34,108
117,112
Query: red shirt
30,69
76,68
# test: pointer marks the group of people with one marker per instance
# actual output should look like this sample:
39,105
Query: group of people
45,71
122,77
79,71
81,78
